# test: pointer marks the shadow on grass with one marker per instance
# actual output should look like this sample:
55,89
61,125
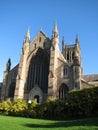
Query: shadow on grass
67,123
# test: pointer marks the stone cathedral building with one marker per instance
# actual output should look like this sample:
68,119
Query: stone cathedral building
44,71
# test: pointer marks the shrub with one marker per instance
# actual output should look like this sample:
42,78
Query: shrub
5,107
30,112
83,102
19,106
80,103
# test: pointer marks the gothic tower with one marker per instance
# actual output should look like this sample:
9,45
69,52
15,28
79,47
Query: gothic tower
54,52
21,77
5,80
77,66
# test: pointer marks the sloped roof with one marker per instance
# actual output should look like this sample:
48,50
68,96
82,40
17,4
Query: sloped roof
91,77
61,58
41,31
15,67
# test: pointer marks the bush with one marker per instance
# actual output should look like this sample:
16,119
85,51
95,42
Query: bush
19,106
30,112
5,107
49,108
80,103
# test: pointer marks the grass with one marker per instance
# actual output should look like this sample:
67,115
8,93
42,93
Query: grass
17,123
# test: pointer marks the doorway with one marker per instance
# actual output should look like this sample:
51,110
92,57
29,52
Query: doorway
36,98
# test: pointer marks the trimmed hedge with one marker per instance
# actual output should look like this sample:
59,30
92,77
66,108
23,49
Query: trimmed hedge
81,103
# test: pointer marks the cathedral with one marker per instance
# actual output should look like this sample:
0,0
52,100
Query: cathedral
44,71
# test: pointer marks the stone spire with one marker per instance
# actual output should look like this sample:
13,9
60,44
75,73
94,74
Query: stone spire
77,40
27,37
55,37
77,45
63,43
55,31
55,27
8,65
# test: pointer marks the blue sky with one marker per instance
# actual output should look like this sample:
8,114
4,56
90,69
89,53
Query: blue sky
72,17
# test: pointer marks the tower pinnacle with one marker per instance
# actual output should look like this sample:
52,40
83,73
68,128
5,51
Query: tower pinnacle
63,43
77,40
28,33
55,27
27,37
8,65
55,31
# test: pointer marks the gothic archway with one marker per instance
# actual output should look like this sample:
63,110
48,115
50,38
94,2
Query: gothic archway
36,94
63,90
38,71
36,98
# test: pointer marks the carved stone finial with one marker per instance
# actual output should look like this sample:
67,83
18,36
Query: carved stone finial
77,40
63,43
8,65
27,37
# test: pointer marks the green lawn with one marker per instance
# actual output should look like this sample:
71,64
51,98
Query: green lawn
17,123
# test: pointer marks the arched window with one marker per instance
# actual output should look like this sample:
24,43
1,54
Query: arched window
76,85
38,71
62,91
72,55
11,90
68,56
35,46
65,71
39,39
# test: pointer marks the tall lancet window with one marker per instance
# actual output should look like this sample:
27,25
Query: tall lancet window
38,71
68,56
11,90
65,71
62,91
